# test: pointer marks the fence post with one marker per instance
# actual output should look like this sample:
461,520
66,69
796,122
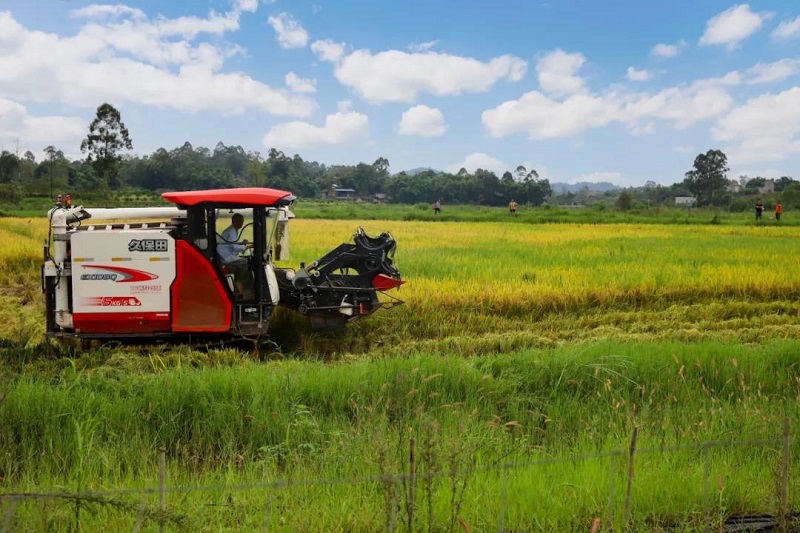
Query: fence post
140,516
9,514
412,481
783,492
501,527
267,510
611,490
630,474
162,487
395,505
706,483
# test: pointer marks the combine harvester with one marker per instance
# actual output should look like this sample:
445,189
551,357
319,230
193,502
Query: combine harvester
156,272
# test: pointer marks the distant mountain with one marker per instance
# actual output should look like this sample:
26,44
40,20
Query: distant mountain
417,170
601,186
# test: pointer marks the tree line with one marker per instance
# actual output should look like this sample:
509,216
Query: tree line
105,170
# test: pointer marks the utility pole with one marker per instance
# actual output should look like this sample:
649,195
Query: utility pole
16,154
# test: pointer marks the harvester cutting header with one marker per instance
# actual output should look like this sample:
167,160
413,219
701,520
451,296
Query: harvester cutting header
179,271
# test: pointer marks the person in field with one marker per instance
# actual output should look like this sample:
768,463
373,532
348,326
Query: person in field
437,207
759,208
778,211
229,249
512,207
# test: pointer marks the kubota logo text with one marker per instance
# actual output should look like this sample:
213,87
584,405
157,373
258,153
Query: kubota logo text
117,274
112,301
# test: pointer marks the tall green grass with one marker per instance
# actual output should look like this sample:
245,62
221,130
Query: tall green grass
227,421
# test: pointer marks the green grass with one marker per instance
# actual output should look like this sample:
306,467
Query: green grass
339,210
228,421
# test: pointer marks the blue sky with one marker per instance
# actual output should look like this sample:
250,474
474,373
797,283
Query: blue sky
581,90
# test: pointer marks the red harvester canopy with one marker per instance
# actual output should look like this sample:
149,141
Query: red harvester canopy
248,196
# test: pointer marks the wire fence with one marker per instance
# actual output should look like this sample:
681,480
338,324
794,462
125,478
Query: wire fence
404,498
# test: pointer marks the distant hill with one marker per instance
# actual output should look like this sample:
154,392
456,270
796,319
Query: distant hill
417,170
601,186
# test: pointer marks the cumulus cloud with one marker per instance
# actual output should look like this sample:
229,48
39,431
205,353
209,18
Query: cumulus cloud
557,73
342,127
422,121
765,128
759,74
543,117
327,50
97,11
33,131
288,31
395,76
300,85
772,72
128,58
667,50
478,160
638,75
249,6
422,47
788,29
732,26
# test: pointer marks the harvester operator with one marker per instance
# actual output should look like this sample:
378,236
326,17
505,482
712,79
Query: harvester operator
229,249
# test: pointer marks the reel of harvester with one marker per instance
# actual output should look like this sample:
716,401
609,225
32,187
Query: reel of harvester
343,285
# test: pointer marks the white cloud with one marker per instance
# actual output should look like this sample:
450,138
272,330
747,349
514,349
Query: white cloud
97,11
133,59
328,50
16,123
788,29
638,75
758,74
343,127
667,50
681,106
422,47
766,128
478,160
556,72
249,6
772,72
732,26
542,117
300,85
422,121
683,149
395,76
288,32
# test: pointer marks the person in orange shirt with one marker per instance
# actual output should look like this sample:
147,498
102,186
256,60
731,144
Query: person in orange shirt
778,211
512,207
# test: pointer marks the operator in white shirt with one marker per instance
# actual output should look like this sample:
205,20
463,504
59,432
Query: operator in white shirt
229,249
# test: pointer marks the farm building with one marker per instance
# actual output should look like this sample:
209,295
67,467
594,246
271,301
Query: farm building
344,193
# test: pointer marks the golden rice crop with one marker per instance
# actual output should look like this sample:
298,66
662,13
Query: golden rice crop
543,282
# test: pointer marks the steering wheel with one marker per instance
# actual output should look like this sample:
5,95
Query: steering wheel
248,251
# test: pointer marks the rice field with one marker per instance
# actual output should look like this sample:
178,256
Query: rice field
517,344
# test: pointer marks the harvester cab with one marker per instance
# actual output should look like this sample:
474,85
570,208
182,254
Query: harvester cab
205,267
